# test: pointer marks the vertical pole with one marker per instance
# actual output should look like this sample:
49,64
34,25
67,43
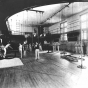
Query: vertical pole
81,45
32,35
38,35
81,66
32,38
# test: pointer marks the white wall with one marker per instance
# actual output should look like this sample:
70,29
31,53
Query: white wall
16,26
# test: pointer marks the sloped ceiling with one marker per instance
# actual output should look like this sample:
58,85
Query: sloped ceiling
34,17
51,14
72,9
11,7
26,20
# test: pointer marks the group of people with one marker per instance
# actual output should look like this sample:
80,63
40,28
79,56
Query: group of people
80,48
24,47
56,46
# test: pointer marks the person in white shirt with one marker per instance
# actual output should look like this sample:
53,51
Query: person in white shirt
20,49
36,51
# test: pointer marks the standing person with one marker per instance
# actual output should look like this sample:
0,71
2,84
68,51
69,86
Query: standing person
20,50
87,48
33,46
30,48
0,40
84,49
79,48
36,51
76,48
40,47
25,49
2,50
58,44
53,47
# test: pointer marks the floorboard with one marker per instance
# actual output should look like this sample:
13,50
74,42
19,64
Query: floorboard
50,71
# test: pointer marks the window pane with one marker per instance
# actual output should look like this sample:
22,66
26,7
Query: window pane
65,24
83,25
65,36
61,30
87,24
84,35
87,16
65,30
83,17
62,37
61,25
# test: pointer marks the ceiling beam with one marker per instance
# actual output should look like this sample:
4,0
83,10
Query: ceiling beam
56,13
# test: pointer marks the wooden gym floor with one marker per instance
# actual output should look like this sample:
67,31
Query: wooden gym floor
50,71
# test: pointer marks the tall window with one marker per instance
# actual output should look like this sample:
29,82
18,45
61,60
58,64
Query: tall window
84,35
84,25
63,27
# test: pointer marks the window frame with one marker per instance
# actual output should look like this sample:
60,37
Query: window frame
63,30
84,29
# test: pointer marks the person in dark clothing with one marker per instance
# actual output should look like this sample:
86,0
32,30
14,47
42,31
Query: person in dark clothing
25,49
36,51
84,48
1,50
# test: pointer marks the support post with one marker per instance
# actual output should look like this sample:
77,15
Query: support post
81,66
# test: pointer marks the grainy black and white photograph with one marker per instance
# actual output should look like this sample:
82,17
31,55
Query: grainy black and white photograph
43,44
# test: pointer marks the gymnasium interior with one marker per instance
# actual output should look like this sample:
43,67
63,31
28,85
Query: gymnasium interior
60,28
